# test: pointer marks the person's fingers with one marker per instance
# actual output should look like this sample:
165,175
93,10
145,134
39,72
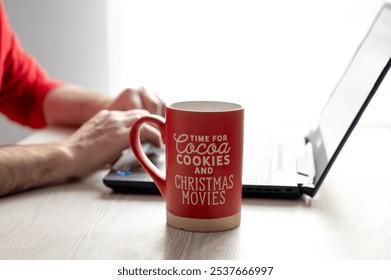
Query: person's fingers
133,99
152,102
118,125
150,134
138,99
131,116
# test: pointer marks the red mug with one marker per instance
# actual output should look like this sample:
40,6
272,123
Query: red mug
204,157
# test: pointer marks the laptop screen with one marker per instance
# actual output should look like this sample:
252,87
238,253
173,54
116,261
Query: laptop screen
351,95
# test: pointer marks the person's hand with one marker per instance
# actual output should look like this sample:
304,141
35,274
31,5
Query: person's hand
138,99
102,139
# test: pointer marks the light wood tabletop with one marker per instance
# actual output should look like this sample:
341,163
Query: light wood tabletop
350,217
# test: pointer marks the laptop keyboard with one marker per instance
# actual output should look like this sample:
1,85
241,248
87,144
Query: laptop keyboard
258,163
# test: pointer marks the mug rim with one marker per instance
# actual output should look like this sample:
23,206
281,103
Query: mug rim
205,106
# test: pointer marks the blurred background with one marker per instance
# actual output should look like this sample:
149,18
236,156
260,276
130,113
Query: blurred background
279,59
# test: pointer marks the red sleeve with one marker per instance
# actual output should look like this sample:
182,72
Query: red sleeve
23,83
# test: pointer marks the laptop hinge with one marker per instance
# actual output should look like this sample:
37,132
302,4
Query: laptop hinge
305,164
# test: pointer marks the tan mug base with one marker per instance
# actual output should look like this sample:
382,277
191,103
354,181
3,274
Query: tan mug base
203,225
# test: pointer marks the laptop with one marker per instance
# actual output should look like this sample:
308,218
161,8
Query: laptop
289,169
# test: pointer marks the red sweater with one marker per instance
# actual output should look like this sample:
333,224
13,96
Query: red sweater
23,83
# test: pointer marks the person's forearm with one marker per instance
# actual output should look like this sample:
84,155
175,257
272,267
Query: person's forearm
23,167
72,105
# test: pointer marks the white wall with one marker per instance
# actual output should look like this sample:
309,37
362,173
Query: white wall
273,57
67,37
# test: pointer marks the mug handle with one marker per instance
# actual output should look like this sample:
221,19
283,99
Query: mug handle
134,139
